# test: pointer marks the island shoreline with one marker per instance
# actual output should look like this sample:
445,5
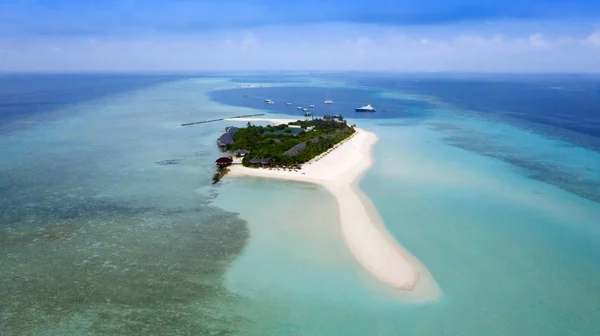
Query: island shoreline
363,231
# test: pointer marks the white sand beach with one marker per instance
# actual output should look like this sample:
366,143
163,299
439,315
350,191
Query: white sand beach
338,170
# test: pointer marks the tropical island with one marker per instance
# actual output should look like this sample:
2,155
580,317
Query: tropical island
286,144
329,153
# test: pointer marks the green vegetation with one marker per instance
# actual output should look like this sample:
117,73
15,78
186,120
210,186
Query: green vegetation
283,146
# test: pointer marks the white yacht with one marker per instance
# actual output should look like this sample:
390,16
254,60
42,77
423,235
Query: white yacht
328,100
270,102
367,108
288,104
304,109
311,106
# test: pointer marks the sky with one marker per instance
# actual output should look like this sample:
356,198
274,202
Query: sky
326,35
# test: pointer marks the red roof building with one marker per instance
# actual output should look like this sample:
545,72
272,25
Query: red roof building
224,161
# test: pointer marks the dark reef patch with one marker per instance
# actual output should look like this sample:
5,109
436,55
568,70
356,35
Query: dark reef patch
102,269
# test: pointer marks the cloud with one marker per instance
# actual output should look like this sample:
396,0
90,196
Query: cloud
335,46
249,43
537,40
594,38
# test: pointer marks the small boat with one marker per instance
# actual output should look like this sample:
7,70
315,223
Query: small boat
299,107
270,102
367,108
328,100
304,109
311,106
288,104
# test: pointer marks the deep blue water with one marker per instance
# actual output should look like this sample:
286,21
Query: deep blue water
345,101
24,96
565,105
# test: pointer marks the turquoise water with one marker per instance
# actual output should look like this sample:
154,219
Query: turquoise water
519,256
110,226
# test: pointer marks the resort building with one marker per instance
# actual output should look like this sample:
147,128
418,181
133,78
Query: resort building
240,152
262,162
299,148
227,137
224,161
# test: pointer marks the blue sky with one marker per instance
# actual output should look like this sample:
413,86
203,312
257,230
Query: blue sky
380,35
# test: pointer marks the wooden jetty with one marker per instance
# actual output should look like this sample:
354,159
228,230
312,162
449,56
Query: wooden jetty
213,120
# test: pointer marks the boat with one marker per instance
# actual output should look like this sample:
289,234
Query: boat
299,107
288,104
304,109
328,100
311,106
307,114
367,108
270,102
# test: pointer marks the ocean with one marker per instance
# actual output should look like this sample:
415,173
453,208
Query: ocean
109,224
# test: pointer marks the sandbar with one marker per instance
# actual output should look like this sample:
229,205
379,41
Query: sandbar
339,170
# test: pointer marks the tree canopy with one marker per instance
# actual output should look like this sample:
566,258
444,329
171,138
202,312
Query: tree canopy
274,141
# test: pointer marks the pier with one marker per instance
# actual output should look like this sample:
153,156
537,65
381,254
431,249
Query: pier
213,120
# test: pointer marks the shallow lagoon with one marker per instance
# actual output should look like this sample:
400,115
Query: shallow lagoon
100,236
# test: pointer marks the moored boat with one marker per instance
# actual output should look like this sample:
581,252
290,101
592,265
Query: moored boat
367,108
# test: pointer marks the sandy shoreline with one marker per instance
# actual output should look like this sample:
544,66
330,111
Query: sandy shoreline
376,250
